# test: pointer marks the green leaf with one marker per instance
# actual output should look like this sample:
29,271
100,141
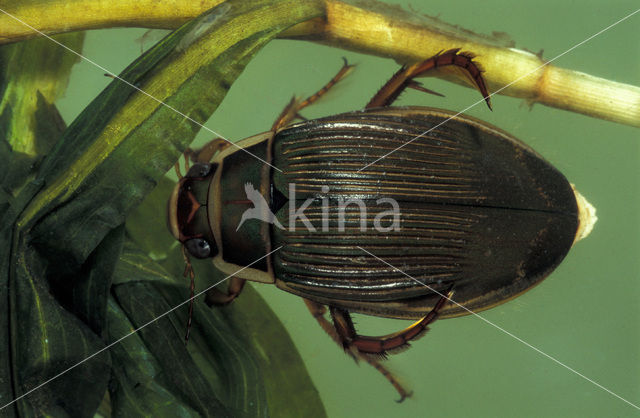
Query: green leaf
17,170
61,234
136,265
143,302
146,224
89,291
33,74
135,391
114,153
39,336
46,339
6,384
290,391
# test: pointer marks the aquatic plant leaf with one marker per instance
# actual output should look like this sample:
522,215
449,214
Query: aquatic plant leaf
46,339
62,228
278,358
33,74
39,336
169,370
17,167
118,148
88,293
6,235
143,302
135,265
146,225
134,390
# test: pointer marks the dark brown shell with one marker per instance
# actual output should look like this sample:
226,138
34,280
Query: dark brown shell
480,211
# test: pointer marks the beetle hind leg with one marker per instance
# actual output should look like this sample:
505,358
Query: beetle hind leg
293,108
318,311
404,77
380,346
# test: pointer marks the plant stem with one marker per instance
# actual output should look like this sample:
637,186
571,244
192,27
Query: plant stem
370,27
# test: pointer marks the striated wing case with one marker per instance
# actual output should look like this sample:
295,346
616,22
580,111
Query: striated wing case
478,210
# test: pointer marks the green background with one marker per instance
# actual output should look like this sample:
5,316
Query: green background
586,314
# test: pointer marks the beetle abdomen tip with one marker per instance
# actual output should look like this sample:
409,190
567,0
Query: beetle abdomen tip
586,216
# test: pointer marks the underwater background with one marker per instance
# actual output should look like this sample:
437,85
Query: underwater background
586,314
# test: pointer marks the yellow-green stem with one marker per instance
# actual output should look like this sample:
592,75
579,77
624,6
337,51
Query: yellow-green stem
374,29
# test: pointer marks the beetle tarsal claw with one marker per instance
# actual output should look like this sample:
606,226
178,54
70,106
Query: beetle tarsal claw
353,352
404,396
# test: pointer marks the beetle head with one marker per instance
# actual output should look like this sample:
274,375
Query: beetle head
187,217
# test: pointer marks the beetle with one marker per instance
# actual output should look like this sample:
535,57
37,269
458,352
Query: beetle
475,216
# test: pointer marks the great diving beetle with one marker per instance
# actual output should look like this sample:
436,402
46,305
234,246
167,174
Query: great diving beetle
479,217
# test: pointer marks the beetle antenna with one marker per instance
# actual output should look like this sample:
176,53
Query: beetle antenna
176,167
186,163
188,270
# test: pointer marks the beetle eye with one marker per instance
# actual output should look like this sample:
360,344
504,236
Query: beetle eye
199,170
198,247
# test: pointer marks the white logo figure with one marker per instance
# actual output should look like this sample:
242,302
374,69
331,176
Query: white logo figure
260,210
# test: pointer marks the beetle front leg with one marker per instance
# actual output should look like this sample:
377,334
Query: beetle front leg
404,77
293,108
206,153
219,298
318,311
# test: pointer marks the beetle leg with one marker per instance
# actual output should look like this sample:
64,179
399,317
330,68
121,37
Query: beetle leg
219,298
293,108
318,311
206,153
404,77
381,345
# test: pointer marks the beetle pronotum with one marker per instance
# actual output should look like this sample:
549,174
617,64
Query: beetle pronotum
482,217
